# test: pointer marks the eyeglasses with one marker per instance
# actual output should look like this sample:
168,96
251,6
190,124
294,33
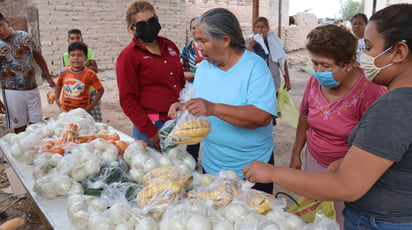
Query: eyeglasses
141,24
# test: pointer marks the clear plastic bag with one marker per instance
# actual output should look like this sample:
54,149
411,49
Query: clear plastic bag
165,143
258,201
189,129
50,95
221,191
186,129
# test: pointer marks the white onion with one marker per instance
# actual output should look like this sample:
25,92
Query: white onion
223,225
136,174
63,184
198,222
165,161
76,188
147,223
149,165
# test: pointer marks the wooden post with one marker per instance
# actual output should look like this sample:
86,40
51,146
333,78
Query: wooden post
255,11
280,20
374,7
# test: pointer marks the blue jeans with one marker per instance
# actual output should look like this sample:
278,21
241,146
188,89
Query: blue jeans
141,136
354,221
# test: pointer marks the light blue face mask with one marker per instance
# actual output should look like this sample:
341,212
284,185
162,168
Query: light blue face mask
325,78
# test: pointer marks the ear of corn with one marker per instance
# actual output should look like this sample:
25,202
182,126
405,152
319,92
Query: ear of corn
190,132
194,124
190,141
260,203
167,173
222,194
158,193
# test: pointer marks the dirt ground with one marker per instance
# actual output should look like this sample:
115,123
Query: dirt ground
23,206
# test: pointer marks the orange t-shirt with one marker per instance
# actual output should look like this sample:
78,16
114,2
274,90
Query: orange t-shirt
76,87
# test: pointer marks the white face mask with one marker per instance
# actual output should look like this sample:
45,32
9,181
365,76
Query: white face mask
367,63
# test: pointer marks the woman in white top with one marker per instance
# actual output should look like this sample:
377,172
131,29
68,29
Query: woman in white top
270,48
359,22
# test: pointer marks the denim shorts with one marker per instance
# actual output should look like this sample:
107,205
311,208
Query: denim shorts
141,136
354,221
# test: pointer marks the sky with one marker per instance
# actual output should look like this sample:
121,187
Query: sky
321,8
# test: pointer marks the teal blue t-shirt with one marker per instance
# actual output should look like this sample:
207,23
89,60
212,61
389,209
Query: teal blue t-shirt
248,82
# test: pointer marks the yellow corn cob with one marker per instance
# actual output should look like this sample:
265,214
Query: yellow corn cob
190,141
155,173
260,203
194,124
167,173
189,133
158,193
221,195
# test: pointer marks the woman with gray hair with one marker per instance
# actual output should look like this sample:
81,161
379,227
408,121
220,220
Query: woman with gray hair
236,93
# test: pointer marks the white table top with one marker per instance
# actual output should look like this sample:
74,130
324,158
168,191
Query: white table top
54,210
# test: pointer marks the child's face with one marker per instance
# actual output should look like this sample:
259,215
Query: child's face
77,58
74,38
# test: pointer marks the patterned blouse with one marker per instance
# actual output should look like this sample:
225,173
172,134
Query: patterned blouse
16,61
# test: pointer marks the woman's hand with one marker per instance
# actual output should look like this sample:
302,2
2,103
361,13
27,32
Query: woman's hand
287,86
258,172
52,84
200,107
155,141
174,108
295,162
252,42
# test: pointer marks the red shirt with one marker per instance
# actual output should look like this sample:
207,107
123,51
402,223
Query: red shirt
148,83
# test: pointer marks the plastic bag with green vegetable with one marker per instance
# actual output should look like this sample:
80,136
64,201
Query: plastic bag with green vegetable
286,108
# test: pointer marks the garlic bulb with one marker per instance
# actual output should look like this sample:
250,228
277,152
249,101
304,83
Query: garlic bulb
63,184
198,222
147,223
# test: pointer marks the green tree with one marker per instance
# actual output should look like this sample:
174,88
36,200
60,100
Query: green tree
351,7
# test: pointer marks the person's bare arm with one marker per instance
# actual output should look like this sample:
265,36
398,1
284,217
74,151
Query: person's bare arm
287,86
58,91
355,175
99,94
91,64
189,76
174,108
251,44
300,140
43,66
155,140
247,116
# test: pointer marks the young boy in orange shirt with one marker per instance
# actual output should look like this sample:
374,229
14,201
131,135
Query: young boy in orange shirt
74,82
75,35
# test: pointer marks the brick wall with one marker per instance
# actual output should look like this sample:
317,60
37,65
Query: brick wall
102,23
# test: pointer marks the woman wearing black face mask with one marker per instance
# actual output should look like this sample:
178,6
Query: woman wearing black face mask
149,74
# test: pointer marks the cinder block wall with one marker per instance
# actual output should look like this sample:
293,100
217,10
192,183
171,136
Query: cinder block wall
102,23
